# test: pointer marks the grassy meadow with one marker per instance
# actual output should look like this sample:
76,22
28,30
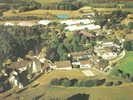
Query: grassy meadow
125,64
44,90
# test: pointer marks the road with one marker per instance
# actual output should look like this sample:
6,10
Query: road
108,68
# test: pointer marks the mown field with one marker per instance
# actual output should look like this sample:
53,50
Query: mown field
44,90
125,64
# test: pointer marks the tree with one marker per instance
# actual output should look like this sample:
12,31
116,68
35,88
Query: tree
109,83
55,82
52,54
1,13
66,83
128,45
7,44
100,82
130,25
117,83
61,50
100,20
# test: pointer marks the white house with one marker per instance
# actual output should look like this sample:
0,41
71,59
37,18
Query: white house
109,55
36,66
44,22
62,65
9,24
28,24
82,27
13,79
74,22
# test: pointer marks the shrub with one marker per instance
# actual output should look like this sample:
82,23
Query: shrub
109,83
74,82
66,83
131,79
85,83
78,83
55,82
89,83
130,25
100,82
117,83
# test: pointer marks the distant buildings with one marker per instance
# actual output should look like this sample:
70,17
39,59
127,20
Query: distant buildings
9,24
107,50
82,27
74,22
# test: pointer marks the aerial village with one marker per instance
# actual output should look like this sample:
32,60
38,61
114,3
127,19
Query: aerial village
100,57
66,49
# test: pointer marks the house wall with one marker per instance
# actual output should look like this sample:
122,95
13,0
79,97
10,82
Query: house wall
75,63
85,66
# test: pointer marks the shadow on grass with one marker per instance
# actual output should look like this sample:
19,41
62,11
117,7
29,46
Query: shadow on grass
79,97
21,90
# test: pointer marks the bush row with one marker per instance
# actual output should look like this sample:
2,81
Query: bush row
83,83
20,18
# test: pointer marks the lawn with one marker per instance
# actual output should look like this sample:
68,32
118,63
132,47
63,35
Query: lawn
96,93
125,64
75,73
123,92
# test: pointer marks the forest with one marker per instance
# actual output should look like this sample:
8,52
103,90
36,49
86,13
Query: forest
18,41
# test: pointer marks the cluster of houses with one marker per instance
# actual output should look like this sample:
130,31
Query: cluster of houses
23,71
83,59
82,27
107,50
28,24
20,73
98,57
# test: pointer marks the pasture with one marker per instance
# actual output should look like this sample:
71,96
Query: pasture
125,64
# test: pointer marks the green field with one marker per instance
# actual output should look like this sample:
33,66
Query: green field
125,64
